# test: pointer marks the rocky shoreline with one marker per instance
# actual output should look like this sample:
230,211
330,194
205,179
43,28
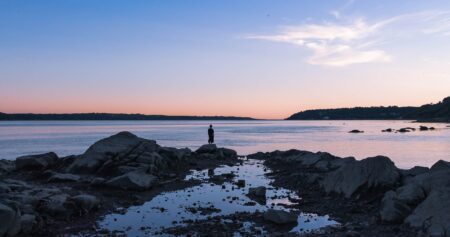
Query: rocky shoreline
47,195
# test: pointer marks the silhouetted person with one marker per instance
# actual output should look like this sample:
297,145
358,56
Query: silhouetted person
210,135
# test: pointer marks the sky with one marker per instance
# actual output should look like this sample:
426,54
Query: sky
258,58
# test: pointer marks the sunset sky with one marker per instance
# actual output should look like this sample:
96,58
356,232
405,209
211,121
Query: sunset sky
258,58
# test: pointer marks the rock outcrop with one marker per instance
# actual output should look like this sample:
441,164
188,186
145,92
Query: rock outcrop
371,173
120,164
38,162
136,180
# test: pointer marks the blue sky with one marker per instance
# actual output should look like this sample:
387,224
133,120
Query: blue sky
258,58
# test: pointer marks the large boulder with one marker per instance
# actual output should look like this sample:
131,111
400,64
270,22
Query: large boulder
119,147
440,165
392,209
9,221
280,217
136,180
36,162
207,148
370,173
433,214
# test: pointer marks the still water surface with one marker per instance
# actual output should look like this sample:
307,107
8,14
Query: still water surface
424,148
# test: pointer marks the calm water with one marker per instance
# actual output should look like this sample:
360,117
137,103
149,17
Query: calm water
228,198
74,137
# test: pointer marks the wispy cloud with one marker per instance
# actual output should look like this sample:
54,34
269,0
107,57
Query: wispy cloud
346,42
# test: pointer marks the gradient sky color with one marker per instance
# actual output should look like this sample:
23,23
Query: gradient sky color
259,58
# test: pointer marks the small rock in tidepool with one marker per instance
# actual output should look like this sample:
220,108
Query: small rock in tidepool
280,217
241,183
356,131
258,192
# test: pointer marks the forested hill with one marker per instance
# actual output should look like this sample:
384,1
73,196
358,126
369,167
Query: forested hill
107,116
429,112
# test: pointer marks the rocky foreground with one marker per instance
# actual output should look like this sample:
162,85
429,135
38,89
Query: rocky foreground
45,195
370,197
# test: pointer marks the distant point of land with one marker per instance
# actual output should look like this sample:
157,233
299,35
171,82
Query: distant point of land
439,112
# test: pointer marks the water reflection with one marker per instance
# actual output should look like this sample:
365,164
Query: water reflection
208,200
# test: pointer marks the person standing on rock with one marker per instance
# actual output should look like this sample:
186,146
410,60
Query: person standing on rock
210,135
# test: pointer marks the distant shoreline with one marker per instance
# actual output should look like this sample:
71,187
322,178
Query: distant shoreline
108,116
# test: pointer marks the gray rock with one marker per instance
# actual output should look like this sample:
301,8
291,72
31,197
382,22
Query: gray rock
63,178
36,162
227,153
6,166
9,221
28,221
86,202
133,181
207,148
416,170
121,146
440,165
98,181
152,158
258,192
410,194
374,172
433,214
280,217
393,210
55,206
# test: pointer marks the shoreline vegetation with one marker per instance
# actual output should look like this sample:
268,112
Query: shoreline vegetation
109,116
47,195
439,112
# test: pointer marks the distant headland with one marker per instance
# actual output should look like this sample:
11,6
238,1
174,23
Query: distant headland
110,116
439,112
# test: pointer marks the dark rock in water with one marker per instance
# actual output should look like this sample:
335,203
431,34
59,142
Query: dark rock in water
280,217
387,130
370,173
257,192
207,148
133,181
9,221
423,128
356,131
241,183
36,162
119,147
62,178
